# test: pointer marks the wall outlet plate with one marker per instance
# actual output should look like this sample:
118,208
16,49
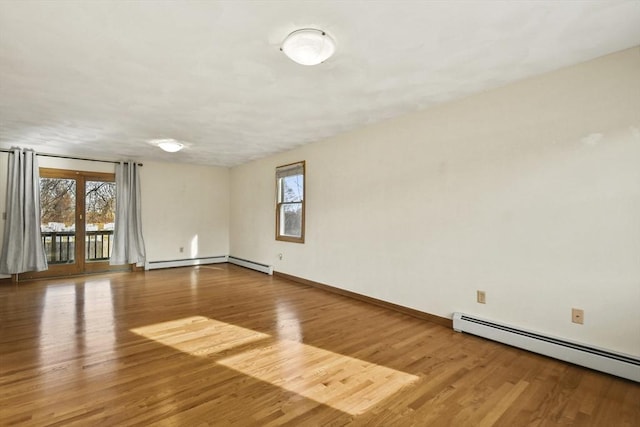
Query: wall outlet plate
481,297
577,316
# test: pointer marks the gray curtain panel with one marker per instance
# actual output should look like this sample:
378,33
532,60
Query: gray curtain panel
128,243
22,248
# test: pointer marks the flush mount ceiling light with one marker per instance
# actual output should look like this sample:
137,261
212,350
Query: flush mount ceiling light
168,145
308,46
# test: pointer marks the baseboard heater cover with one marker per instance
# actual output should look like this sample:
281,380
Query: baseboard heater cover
264,268
614,363
152,265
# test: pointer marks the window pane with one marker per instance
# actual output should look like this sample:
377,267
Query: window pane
291,219
290,203
58,219
100,206
292,188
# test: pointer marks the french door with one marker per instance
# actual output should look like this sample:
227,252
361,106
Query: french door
77,212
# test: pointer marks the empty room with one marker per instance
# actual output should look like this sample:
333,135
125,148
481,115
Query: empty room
320,213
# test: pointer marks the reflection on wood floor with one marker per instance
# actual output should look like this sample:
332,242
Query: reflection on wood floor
222,345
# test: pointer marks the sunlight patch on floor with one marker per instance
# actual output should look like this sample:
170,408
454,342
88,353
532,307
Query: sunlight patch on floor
345,383
198,335
342,382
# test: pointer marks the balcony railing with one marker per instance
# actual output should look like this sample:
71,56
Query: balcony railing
60,246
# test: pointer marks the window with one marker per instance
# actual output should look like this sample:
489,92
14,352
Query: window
290,202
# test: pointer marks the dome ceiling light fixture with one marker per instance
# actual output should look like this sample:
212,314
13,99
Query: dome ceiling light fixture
169,145
308,46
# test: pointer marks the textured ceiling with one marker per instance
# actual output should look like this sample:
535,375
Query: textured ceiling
100,78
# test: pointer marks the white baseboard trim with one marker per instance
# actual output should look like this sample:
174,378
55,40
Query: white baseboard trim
622,365
264,268
152,265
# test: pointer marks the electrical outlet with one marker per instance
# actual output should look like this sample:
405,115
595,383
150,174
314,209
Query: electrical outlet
181,249
577,316
280,257
481,297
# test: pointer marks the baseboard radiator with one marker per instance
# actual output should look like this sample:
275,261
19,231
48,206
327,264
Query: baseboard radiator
618,364
152,265
264,268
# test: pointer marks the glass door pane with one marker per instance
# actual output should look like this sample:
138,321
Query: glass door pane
100,204
58,219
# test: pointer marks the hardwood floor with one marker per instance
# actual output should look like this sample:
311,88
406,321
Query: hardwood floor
222,345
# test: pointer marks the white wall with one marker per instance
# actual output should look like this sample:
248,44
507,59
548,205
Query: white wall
185,206
530,192
182,206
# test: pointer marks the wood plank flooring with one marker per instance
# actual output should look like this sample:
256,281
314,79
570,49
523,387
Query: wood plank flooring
222,345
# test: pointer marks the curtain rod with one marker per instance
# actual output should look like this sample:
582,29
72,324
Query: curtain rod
68,157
